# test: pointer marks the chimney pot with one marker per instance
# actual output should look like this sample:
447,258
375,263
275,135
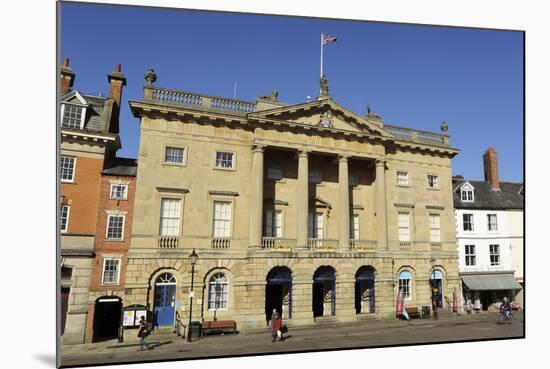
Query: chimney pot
490,168
66,78
118,68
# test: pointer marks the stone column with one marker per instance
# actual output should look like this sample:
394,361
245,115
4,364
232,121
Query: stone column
381,212
343,209
302,200
257,196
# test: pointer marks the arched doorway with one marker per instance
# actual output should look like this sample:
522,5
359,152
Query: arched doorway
165,300
278,292
364,290
324,292
436,285
107,313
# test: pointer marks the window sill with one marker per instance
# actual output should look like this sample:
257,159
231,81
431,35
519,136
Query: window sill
169,164
434,188
110,284
403,185
221,309
118,199
114,240
225,169
68,182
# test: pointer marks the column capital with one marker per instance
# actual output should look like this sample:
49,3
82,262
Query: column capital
380,162
343,157
303,153
258,148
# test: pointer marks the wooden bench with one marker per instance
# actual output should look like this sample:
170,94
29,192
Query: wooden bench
219,326
413,313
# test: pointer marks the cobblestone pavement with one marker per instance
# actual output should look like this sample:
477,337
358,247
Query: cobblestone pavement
320,337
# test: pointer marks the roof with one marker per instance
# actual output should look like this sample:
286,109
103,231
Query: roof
99,112
121,167
507,198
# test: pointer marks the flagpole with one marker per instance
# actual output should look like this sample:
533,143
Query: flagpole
321,58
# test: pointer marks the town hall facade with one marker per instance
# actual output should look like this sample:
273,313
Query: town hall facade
308,208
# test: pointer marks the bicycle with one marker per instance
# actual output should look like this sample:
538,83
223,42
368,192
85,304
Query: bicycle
505,316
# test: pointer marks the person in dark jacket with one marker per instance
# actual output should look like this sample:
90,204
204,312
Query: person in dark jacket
143,333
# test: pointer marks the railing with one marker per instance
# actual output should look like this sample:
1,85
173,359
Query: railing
278,243
368,245
414,135
404,245
168,242
199,101
322,243
221,242
179,327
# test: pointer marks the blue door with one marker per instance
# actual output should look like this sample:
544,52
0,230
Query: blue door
165,300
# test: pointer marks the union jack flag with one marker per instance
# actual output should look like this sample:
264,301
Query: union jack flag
327,38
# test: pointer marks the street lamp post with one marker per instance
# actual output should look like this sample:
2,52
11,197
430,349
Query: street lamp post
193,259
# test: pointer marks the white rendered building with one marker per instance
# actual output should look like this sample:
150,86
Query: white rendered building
489,220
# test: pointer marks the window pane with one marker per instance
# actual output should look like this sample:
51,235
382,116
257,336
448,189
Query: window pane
224,159
404,234
64,217
72,116
222,219
218,292
170,217
118,191
67,168
174,155
115,227
402,178
110,271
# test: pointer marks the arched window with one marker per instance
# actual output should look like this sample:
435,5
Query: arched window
218,292
405,284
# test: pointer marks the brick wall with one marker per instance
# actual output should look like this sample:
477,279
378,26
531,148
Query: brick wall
107,248
83,195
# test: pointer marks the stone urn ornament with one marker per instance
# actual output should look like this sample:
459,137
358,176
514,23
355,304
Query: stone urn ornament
150,76
444,127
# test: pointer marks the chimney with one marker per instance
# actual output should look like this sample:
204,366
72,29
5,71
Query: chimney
116,81
66,77
490,168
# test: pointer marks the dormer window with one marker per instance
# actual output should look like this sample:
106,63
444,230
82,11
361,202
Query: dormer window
467,193
72,116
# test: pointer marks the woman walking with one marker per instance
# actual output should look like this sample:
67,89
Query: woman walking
276,324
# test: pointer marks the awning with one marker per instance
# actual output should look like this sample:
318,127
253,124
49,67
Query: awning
484,282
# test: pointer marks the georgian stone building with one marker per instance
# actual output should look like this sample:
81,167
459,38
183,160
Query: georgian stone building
308,208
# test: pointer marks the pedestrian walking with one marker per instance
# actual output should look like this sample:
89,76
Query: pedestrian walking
276,325
144,331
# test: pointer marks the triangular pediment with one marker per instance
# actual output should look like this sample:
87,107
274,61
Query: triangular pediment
323,113
74,97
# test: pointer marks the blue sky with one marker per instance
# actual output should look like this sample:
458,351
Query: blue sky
413,76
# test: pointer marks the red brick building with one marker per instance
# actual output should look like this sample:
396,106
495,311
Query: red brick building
112,239
89,132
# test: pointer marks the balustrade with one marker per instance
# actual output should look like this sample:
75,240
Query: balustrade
322,243
168,242
201,101
414,135
278,243
368,245
221,242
